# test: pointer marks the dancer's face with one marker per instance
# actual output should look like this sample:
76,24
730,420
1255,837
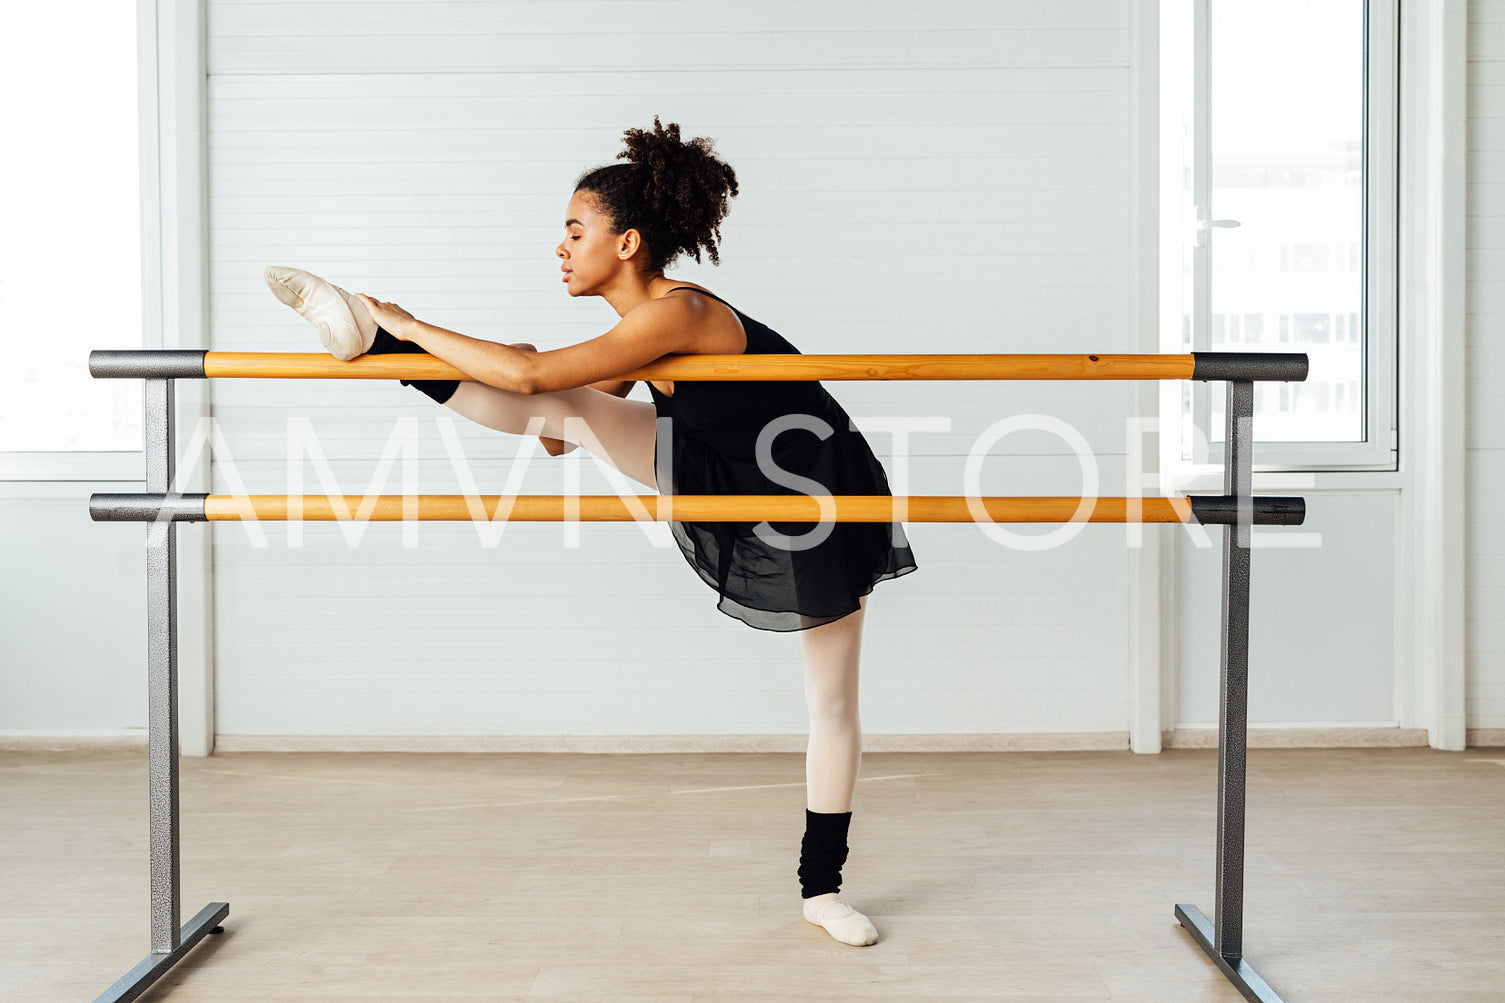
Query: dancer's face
592,254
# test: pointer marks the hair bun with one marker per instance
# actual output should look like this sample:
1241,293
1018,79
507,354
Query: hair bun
685,183
675,193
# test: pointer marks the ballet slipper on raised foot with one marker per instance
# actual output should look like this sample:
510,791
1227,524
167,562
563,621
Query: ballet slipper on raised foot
345,327
840,920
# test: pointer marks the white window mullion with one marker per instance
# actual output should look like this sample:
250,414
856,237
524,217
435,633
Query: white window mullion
1198,242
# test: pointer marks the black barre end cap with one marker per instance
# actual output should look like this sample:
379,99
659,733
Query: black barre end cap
1249,366
1265,510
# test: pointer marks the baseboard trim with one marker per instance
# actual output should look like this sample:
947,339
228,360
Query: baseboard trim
1089,741
41,741
1019,742
1302,738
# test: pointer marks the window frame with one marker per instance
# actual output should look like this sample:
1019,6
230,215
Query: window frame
1379,449
124,465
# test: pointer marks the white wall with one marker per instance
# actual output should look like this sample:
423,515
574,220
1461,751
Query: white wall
906,186
1321,645
73,613
430,162
1485,455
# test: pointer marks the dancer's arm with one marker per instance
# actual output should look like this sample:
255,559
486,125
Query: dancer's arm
619,388
648,332
489,362
402,325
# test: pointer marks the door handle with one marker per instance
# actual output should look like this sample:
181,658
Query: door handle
1204,225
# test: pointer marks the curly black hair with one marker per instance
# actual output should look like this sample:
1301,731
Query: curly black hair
674,194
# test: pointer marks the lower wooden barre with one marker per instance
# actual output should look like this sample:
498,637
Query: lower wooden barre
697,508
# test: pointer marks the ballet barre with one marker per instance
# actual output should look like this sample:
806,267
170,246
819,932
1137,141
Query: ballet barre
1237,508
196,364
1207,510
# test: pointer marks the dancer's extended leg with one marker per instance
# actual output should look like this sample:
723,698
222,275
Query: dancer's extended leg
624,428
344,326
832,761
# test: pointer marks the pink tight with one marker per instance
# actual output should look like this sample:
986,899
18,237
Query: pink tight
625,430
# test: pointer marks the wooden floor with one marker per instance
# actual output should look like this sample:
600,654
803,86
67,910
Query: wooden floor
1372,875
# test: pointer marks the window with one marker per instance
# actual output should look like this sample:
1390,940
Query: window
70,250
1278,160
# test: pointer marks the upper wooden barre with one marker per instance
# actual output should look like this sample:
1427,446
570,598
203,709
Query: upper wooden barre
743,367
181,364
1206,509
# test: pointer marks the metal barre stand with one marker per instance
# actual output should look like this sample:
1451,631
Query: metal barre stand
169,943
1224,943
1236,509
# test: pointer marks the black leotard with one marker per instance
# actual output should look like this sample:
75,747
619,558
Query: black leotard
715,430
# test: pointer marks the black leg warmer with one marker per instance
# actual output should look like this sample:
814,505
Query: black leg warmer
823,852
439,390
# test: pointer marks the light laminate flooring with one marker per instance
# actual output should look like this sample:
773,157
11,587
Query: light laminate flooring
1373,874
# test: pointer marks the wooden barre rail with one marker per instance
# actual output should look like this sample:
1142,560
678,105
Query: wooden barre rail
741,367
708,508
1209,509
181,364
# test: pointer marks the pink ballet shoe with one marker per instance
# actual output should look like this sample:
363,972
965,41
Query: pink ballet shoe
330,309
840,920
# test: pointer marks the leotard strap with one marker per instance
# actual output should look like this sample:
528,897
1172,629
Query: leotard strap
705,291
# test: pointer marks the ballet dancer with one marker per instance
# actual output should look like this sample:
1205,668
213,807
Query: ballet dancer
625,223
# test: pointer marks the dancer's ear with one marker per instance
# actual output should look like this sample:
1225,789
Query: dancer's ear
628,244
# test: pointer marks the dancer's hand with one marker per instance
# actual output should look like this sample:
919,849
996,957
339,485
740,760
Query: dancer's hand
389,315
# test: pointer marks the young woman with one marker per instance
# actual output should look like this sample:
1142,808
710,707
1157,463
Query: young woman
625,224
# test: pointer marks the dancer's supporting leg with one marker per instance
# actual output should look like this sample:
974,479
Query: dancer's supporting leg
833,653
832,761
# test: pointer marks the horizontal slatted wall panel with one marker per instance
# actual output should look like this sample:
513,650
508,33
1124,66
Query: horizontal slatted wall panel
1485,457
949,177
